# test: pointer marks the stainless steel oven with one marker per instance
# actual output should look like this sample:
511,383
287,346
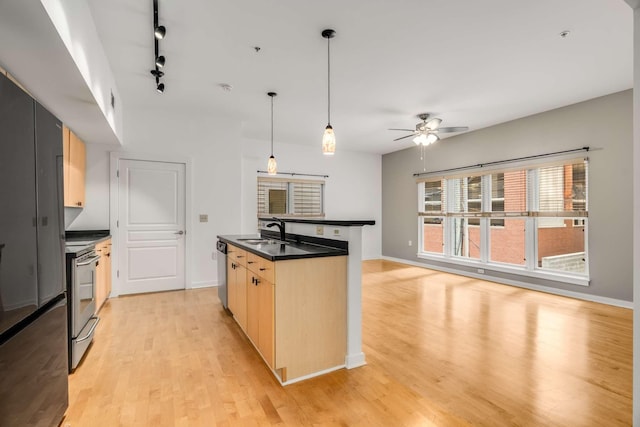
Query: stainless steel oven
81,281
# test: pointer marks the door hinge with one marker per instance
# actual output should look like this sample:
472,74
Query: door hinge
118,274
117,223
117,173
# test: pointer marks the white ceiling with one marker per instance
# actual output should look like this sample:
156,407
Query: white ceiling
471,63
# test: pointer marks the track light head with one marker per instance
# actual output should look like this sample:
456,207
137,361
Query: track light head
160,31
160,60
160,87
157,73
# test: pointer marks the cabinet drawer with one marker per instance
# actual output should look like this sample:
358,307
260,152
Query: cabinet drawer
267,270
261,266
239,256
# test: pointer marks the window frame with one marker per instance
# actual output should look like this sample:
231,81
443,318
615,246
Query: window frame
532,217
290,184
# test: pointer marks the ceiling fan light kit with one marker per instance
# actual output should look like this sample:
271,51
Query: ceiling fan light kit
427,130
329,137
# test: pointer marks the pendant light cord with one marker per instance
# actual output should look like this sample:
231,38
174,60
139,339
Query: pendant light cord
271,126
328,81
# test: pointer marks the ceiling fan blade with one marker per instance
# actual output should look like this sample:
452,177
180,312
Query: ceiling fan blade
405,130
452,129
403,137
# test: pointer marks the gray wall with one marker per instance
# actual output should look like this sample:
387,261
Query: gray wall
605,124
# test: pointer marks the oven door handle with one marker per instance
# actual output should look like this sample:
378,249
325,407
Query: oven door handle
90,333
89,261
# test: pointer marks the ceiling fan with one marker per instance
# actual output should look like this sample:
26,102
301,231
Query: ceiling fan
427,130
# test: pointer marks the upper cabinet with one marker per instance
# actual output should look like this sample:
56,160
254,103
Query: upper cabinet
74,169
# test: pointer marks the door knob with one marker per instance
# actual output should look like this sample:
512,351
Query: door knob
179,232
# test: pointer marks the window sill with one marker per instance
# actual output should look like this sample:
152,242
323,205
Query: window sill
503,268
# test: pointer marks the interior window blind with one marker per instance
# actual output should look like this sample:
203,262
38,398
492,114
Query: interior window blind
434,198
290,197
562,190
307,198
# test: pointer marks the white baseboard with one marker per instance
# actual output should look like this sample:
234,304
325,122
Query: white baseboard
547,289
355,360
205,284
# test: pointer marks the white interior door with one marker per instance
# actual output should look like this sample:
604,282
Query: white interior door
151,226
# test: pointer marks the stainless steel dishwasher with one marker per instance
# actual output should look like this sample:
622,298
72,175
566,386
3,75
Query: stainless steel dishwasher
222,272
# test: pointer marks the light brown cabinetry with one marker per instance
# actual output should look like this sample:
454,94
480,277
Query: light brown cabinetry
74,154
260,309
237,284
103,273
293,311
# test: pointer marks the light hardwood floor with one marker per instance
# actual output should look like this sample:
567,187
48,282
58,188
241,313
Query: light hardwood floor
442,350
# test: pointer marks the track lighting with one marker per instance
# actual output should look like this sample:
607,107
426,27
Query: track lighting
329,138
160,32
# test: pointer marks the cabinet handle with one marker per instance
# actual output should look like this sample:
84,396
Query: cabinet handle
239,256
250,262
263,269
79,203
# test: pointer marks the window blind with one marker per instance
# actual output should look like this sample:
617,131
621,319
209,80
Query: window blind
290,197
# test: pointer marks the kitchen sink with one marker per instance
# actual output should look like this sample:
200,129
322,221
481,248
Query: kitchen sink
255,241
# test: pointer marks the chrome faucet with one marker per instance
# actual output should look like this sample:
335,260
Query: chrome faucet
280,225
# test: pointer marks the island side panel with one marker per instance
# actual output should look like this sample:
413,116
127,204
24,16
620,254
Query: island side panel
311,315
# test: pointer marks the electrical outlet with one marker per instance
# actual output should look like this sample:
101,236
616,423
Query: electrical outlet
410,243
481,270
204,218
319,230
336,231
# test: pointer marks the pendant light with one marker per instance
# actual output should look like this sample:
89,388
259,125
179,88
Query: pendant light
272,166
329,138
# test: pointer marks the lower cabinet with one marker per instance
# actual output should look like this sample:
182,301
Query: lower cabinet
293,311
237,285
103,273
260,315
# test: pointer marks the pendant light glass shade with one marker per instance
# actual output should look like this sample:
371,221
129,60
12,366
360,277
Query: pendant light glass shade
272,166
328,141
329,137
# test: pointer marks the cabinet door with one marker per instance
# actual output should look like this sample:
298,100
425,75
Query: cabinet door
232,290
77,166
266,334
66,149
100,282
107,268
253,298
241,296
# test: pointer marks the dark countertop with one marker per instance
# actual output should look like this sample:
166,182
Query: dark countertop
273,250
78,241
341,222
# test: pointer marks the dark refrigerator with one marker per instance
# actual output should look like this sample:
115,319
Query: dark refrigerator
33,313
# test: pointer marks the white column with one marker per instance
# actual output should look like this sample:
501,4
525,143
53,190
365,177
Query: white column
635,4
355,356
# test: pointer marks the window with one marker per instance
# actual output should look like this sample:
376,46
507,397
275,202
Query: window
290,197
531,219
433,221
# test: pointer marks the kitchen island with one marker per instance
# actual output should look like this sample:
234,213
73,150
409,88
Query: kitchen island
295,299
